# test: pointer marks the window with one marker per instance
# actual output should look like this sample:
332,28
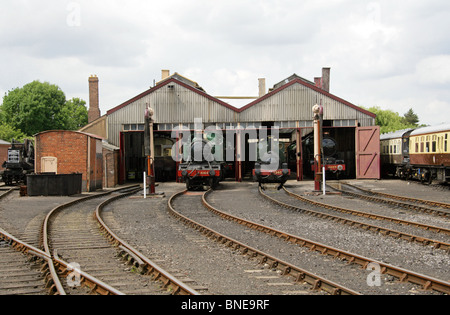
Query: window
445,143
417,147
422,147
433,146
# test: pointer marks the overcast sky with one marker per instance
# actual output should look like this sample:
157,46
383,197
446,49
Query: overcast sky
391,54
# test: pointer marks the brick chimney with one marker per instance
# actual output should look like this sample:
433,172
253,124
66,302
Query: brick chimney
326,79
165,74
94,109
262,87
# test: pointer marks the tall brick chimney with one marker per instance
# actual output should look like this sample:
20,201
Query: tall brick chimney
262,87
94,109
326,79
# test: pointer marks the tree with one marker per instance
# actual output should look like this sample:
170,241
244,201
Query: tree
411,118
8,133
389,120
40,106
76,114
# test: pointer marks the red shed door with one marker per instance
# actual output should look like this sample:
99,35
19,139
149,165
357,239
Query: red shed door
368,152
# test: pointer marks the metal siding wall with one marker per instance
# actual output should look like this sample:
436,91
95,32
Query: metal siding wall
295,103
181,105
177,105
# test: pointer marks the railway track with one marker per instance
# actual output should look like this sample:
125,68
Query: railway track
80,251
403,275
298,274
20,264
434,207
440,244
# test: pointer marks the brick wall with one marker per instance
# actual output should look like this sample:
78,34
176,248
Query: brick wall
72,151
3,153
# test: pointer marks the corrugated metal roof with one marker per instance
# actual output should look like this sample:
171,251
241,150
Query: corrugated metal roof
431,129
394,134
176,102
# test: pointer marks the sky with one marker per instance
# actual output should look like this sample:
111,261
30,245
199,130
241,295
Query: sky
390,54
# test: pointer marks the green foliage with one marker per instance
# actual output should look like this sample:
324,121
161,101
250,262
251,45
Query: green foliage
390,121
8,133
75,113
411,117
39,107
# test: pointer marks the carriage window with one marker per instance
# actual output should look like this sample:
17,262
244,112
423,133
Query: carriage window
427,147
421,147
417,147
395,149
433,146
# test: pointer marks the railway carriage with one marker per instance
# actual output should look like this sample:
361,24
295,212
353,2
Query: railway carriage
424,153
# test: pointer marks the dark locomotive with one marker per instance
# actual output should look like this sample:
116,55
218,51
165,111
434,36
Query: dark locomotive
331,160
422,154
19,164
271,167
201,169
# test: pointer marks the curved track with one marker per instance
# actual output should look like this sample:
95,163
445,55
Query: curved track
71,234
286,268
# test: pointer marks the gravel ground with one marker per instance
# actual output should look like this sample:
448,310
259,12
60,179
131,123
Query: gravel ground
410,256
147,225
23,216
369,207
412,189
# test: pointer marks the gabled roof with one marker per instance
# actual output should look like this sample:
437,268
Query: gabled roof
299,80
290,81
183,79
161,84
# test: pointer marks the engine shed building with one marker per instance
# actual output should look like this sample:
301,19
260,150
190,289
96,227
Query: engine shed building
178,102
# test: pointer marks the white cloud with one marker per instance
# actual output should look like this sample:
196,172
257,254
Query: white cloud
392,54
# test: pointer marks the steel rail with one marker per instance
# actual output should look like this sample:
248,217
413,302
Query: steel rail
45,233
7,193
95,284
428,283
300,275
404,198
427,227
178,287
53,284
437,212
370,227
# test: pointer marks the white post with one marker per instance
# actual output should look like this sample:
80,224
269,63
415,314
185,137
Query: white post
145,185
323,172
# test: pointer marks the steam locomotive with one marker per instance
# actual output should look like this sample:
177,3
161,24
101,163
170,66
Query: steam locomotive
330,159
20,163
201,169
271,166
422,154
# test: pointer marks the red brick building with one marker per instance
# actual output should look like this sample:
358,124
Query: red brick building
67,152
4,146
